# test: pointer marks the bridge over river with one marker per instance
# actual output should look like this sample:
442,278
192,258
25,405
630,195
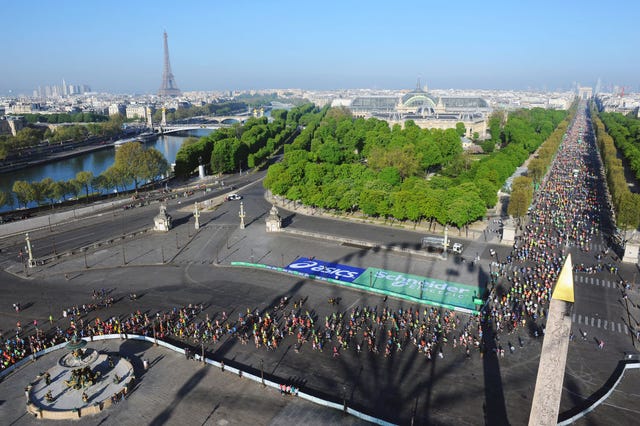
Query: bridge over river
211,124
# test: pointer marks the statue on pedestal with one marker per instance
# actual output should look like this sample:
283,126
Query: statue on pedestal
274,222
162,221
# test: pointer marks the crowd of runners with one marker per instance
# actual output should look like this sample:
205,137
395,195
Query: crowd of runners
566,214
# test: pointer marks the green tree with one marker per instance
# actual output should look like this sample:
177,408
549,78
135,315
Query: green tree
155,165
74,187
537,169
84,179
60,190
113,178
521,196
48,187
6,199
130,162
23,191
460,129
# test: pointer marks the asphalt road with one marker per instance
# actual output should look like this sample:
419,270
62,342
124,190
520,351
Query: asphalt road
451,390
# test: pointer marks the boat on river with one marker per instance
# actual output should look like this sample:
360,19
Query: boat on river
141,138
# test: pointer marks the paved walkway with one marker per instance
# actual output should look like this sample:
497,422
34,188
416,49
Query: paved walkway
175,391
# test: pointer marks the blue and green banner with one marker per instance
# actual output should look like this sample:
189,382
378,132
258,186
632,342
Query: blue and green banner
427,289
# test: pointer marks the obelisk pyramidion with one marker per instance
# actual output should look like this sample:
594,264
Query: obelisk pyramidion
553,358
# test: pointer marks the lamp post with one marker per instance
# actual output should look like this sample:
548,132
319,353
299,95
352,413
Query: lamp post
196,215
262,371
29,251
344,396
242,215
155,336
446,241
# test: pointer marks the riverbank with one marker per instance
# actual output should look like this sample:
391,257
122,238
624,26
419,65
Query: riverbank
63,155
61,152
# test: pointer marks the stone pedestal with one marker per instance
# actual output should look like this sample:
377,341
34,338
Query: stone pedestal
274,222
631,250
162,221
508,232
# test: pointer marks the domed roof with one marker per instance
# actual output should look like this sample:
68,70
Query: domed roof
417,99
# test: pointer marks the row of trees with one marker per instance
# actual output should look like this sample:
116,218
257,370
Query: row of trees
625,203
24,138
49,190
133,165
625,132
352,164
31,137
521,196
522,186
240,146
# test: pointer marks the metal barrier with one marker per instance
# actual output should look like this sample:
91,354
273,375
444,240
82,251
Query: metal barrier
239,372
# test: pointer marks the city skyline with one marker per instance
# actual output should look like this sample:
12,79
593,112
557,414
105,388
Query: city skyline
246,45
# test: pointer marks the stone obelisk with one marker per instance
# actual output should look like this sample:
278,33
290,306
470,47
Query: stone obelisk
553,358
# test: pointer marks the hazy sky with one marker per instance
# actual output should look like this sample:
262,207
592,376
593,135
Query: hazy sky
116,46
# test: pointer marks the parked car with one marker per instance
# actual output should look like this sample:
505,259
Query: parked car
233,197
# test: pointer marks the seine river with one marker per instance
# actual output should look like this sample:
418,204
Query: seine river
95,162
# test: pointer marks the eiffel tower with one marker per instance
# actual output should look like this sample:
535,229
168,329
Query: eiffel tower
169,87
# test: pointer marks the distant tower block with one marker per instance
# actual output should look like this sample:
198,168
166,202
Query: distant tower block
169,86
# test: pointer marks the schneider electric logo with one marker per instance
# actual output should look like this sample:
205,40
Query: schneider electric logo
396,279
325,269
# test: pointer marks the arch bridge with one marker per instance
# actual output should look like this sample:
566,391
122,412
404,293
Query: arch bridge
211,123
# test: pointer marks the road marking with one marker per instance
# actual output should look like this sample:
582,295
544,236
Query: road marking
592,280
619,328
581,278
353,304
573,318
579,319
597,281
593,320
605,324
598,322
613,326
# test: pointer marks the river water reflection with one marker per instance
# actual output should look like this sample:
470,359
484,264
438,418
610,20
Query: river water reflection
95,162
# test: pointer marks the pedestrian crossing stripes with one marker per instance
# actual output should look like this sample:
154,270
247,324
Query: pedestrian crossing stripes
618,327
591,280
577,277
